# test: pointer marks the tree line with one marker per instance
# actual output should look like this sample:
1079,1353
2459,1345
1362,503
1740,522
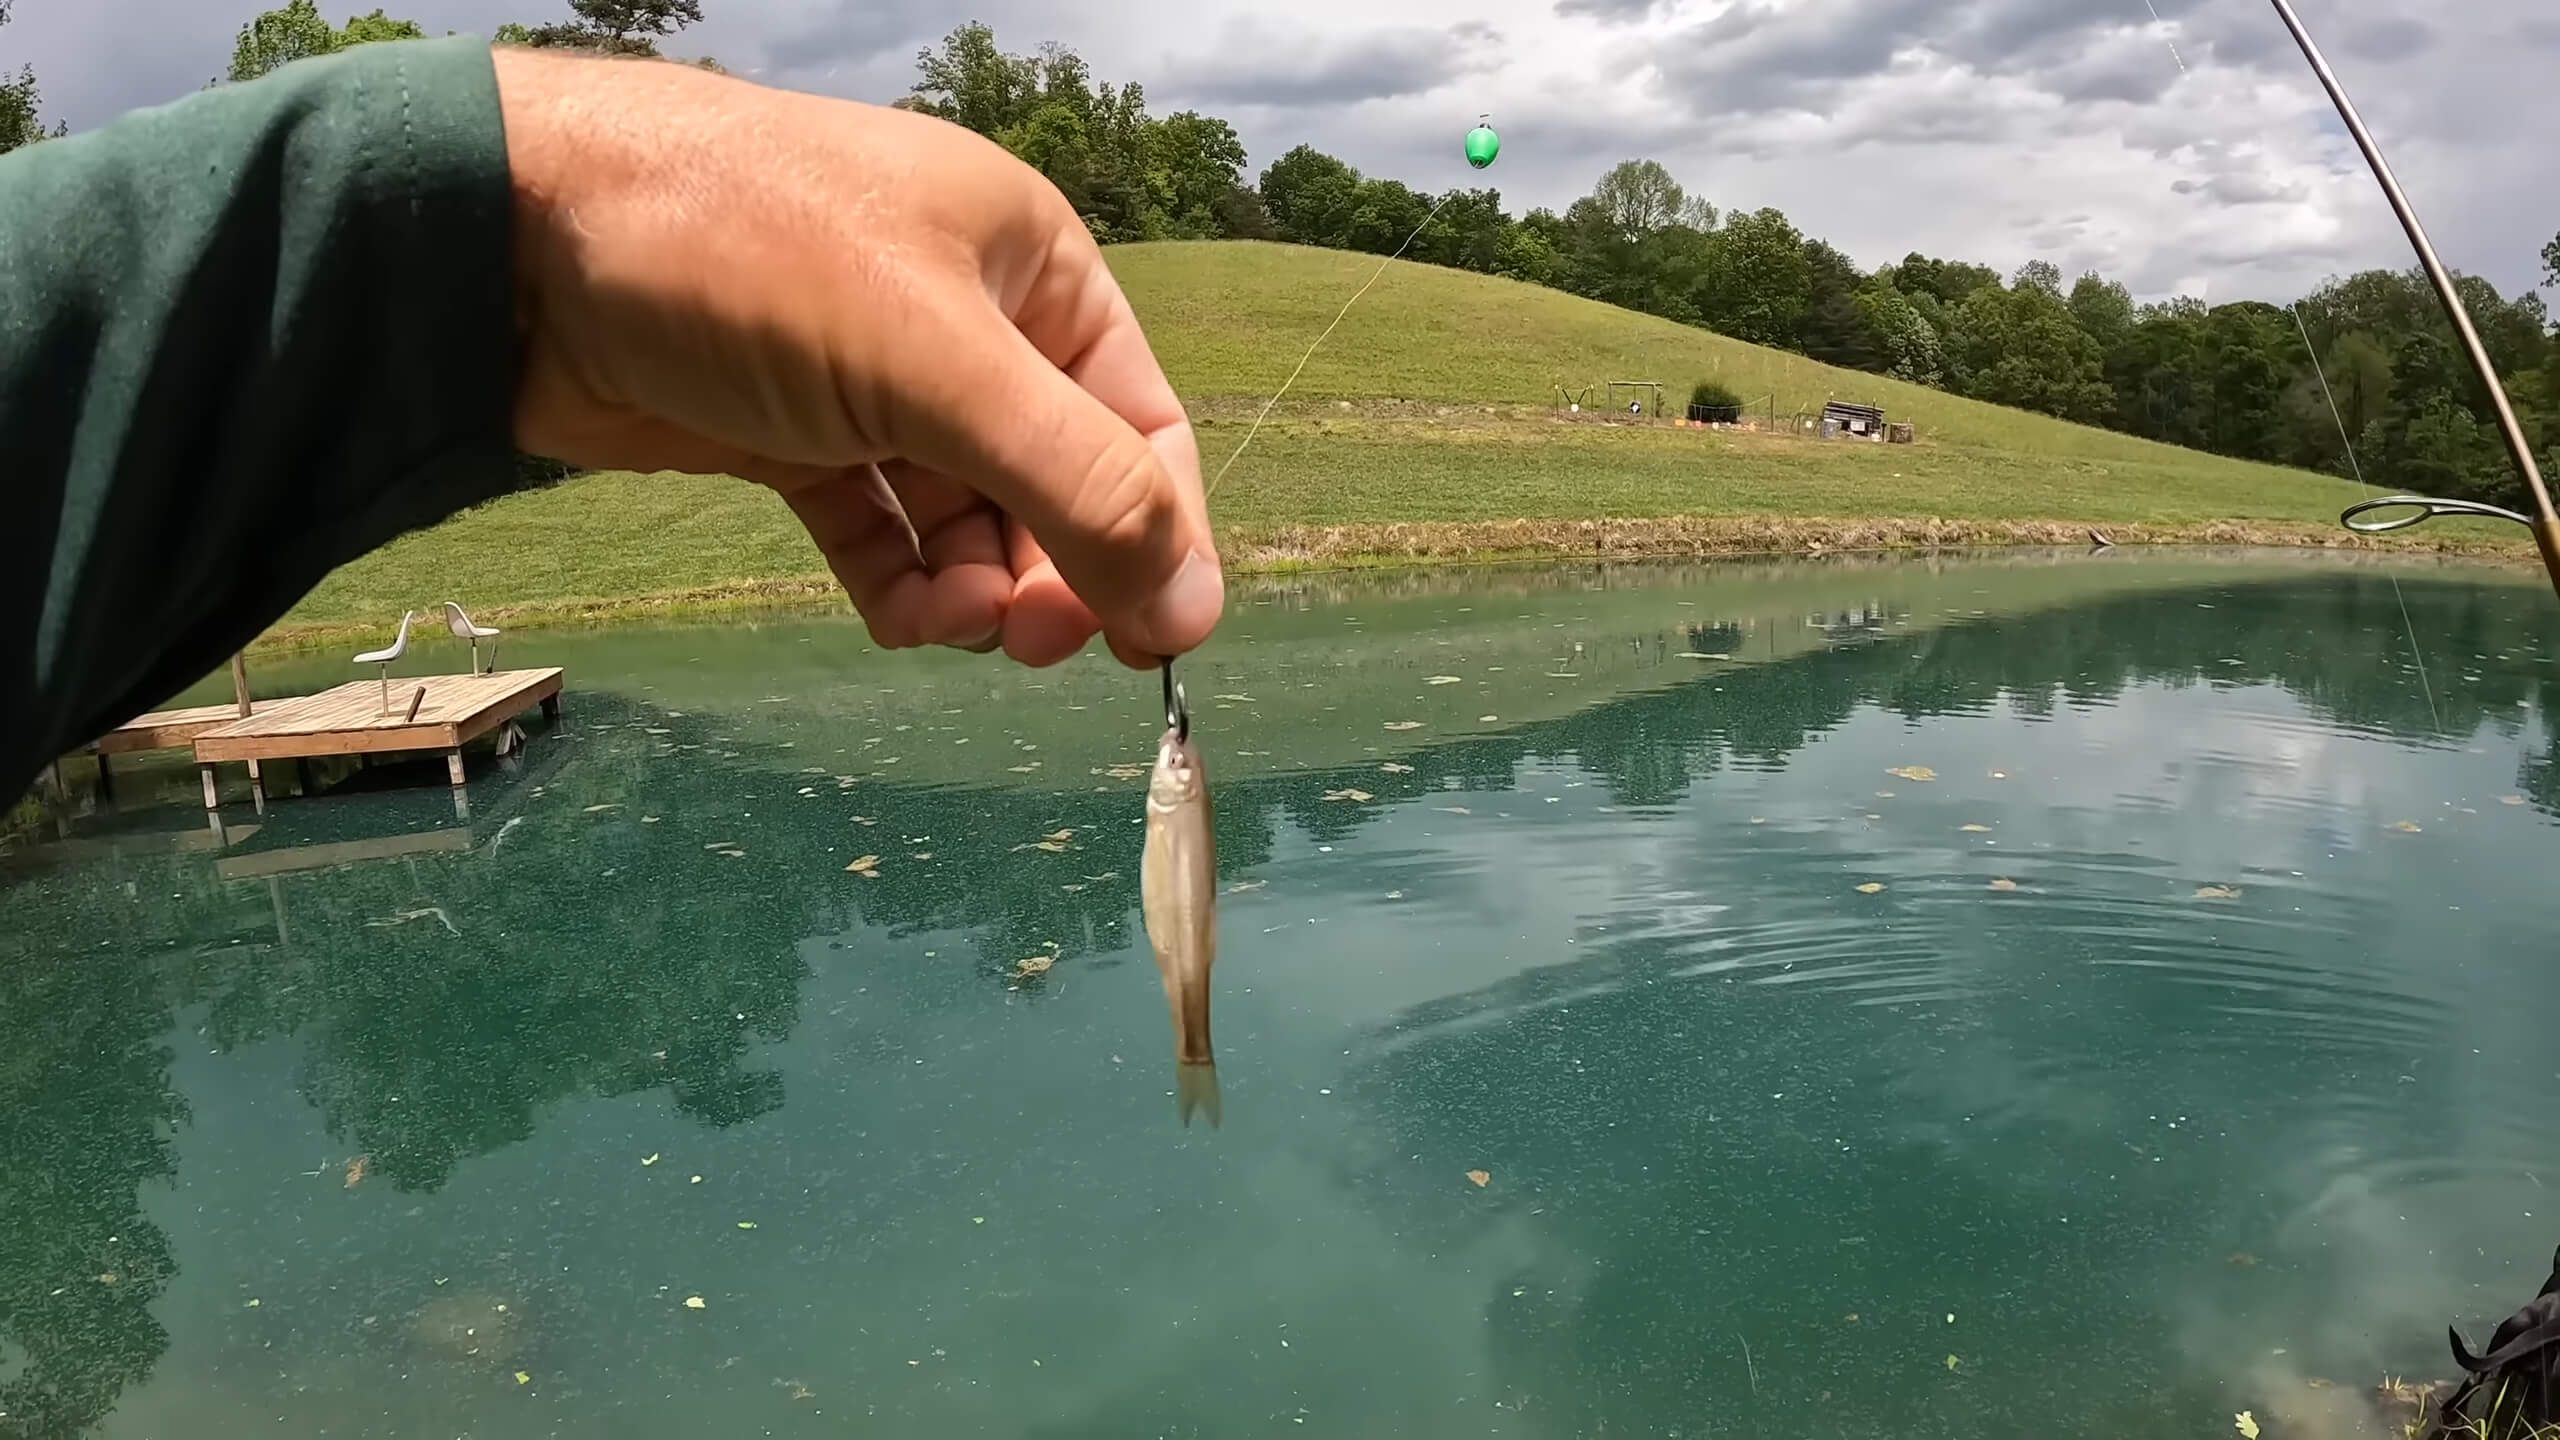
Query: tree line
2246,379
2237,379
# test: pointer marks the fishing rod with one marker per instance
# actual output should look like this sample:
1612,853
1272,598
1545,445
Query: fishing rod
2545,521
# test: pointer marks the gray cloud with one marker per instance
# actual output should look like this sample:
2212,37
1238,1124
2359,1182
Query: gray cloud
1608,12
1255,68
2244,189
1756,56
1952,116
2389,38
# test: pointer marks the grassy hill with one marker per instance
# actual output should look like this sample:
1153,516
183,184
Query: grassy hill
1425,428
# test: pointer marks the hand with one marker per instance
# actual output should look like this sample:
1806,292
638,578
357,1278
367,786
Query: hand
889,320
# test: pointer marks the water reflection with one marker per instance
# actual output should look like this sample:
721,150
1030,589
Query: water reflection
1720,1107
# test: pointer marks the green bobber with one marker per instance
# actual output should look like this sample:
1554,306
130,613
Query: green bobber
1482,146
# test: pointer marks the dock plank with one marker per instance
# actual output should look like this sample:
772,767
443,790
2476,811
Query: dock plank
349,719
161,730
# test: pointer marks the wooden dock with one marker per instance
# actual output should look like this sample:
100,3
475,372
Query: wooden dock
161,730
427,713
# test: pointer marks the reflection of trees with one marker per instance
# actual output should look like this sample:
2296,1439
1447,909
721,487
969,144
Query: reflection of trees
2337,642
86,1117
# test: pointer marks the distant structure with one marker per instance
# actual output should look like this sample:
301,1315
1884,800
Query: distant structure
1863,421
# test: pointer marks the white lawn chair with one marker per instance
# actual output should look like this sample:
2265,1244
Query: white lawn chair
463,629
384,658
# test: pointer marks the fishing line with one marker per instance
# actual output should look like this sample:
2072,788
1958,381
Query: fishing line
1320,339
2164,25
2356,465
2407,625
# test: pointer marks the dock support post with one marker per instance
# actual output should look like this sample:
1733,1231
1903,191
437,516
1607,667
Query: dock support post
258,787
551,708
212,794
106,779
453,766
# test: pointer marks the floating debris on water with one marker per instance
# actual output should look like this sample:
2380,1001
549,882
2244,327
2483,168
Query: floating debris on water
1917,774
1480,1178
1872,887
1355,796
1976,829
356,1169
2217,892
1032,967
2004,884
1404,724
2406,827
693,1302
2246,1424
1392,768
866,866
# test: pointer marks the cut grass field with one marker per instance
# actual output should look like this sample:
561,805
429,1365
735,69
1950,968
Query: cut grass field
1425,429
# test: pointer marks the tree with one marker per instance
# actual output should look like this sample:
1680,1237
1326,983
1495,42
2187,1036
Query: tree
2551,262
1527,252
297,31
2041,275
1760,284
276,38
370,29
1909,347
20,122
2021,347
1638,197
1129,175
1310,196
971,83
2357,372
1467,232
609,27
1197,161
1949,281
1836,329
2104,309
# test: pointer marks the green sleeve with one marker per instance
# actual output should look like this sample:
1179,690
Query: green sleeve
244,338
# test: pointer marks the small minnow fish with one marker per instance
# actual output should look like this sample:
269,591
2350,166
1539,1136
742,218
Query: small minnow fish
1178,889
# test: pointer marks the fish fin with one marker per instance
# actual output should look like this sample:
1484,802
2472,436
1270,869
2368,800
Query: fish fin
1195,1088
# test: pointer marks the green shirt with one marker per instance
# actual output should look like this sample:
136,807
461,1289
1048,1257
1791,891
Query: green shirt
244,338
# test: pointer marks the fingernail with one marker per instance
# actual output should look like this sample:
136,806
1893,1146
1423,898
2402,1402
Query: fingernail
1181,614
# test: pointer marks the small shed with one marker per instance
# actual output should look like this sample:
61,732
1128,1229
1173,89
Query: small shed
1862,420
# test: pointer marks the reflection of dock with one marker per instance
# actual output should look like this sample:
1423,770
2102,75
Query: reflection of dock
440,713
260,863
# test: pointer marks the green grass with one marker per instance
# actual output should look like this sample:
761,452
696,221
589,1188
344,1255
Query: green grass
1432,405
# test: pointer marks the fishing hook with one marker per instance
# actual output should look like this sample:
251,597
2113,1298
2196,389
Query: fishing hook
2544,522
1177,706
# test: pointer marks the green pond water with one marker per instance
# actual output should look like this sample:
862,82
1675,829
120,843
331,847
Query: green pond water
2195,1056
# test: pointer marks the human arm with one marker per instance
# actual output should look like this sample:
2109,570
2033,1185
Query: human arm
251,335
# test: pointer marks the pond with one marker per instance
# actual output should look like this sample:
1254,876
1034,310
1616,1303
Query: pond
2021,995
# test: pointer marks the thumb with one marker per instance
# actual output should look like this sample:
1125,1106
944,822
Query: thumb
1119,510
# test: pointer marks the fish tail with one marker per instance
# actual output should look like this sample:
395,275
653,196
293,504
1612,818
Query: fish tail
1195,1088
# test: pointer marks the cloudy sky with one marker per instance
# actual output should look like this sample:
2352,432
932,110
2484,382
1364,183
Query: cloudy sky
2189,153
